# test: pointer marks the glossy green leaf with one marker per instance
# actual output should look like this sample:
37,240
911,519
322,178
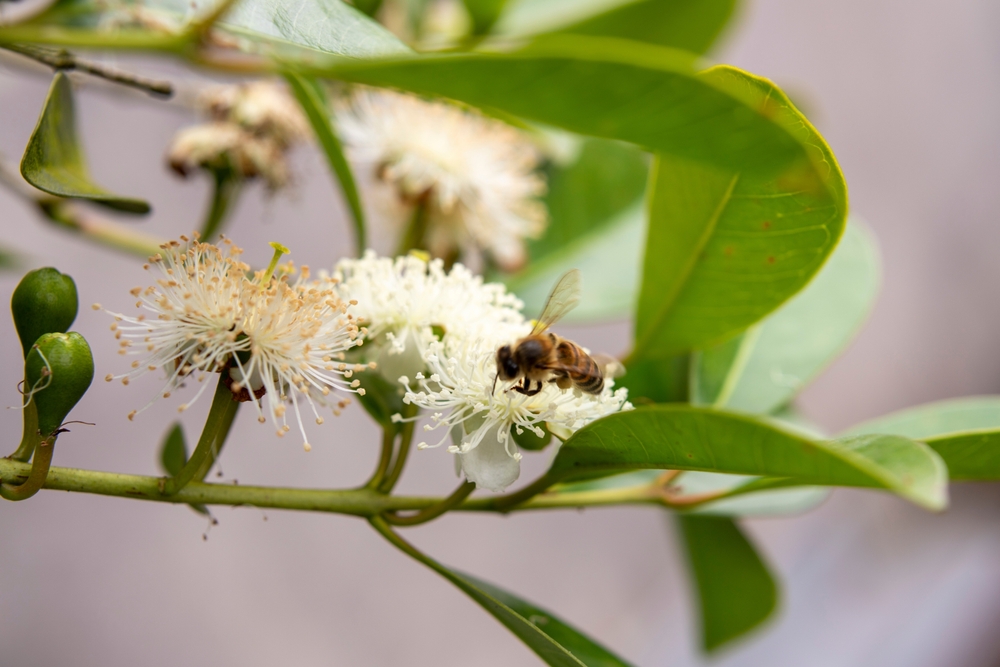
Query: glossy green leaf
53,161
312,99
734,587
727,247
552,640
936,419
328,26
682,437
647,95
965,432
763,369
692,25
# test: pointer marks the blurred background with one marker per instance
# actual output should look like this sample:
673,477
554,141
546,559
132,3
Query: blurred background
907,93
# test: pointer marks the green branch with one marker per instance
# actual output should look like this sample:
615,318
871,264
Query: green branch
363,502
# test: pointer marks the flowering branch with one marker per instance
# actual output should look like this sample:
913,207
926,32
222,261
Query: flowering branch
362,502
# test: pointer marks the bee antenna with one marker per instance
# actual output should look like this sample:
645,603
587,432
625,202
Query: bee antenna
494,390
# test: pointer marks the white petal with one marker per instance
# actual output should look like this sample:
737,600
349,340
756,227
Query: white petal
392,364
489,465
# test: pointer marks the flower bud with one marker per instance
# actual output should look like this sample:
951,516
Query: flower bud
43,302
58,370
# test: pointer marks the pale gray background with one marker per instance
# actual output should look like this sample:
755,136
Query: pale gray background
907,94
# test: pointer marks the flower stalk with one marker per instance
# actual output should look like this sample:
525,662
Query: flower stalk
39,472
464,490
213,437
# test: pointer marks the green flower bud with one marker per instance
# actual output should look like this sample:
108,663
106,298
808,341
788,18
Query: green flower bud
57,371
43,302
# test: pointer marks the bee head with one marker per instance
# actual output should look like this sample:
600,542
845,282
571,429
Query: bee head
507,368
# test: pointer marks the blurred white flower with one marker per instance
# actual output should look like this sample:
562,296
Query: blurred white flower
207,314
253,127
219,146
477,414
476,177
262,107
409,301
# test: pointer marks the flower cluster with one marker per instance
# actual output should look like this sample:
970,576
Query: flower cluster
446,327
208,314
407,302
469,180
252,127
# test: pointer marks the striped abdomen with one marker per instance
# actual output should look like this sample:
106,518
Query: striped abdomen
579,367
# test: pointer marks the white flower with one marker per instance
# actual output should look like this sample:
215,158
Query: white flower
206,314
263,107
477,413
298,337
190,319
475,176
253,126
219,146
407,302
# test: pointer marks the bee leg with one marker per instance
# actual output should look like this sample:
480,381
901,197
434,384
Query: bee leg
532,392
520,388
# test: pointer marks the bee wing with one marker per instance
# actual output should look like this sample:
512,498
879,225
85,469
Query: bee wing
564,297
611,367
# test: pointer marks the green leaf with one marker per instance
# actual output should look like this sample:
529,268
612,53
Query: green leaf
608,259
595,213
606,179
763,369
484,14
647,95
691,25
735,589
726,247
173,451
965,432
328,26
658,380
936,419
555,642
53,161
682,437
313,102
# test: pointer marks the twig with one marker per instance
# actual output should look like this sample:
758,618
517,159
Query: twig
61,59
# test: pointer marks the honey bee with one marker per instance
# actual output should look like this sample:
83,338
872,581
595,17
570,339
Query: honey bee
542,356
